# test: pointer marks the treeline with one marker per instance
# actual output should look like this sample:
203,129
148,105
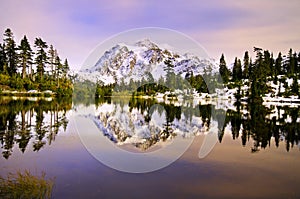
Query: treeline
264,68
23,68
149,86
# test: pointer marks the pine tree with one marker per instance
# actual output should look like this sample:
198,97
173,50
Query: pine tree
25,55
223,70
191,80
161,84
170,76
65,68
149,77
258,77
278,65
295,86
295,63
132,85
2,59
59,68
246,65
259,71
52,53
161,81
41,56
290,64
123,85
298,64
250,69
267,63
237,70
200,84
10,51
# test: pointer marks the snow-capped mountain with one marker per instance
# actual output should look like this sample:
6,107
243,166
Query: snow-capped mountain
134,61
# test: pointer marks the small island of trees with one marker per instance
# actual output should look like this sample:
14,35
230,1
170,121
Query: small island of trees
37,70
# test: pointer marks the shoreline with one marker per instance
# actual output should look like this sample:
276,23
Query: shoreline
32,93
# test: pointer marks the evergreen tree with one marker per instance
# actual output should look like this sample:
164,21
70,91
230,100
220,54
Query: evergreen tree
10,51
149,87
161,84
240,70
278,65
132,85
170,76
295,63
290,63
65,68
149,77
2,59
295,86
267,63
272,66
246,65
25,55
250,69
237,70
59,67
258,77
223,70
22,56
259,71
52,53
123,85
161,81
200,84
41,56
191,79
298,64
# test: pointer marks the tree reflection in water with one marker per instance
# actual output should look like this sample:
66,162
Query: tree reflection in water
248,122
25,122
38,121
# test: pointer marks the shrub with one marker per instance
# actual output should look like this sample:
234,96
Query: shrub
16,83
4,79
25,185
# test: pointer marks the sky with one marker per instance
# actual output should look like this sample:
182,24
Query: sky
231,27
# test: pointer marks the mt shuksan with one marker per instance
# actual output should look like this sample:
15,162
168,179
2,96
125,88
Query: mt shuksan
133,61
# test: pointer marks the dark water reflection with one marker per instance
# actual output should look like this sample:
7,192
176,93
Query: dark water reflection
257,155
255,123
261,124
31,120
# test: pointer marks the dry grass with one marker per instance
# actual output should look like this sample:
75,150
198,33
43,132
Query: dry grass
25,185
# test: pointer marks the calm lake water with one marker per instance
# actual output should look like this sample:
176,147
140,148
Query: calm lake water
257,154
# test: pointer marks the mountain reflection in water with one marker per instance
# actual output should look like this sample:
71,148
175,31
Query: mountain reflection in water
144,123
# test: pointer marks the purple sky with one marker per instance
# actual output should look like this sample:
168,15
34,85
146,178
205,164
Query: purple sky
75,28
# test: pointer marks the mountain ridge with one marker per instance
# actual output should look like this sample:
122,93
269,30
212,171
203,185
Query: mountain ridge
126,62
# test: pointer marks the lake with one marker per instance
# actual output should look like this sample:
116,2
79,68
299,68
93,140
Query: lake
254,151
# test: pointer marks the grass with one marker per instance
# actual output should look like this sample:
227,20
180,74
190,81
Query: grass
25,185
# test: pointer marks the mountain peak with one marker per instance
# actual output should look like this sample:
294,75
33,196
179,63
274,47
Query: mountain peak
125,61
147,43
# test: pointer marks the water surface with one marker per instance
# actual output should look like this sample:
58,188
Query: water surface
257,154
